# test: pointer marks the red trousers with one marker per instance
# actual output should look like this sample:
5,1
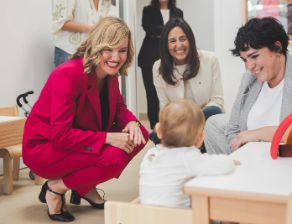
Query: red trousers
82,171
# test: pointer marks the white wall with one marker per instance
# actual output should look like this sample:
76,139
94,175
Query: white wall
200,16
26,49
226,24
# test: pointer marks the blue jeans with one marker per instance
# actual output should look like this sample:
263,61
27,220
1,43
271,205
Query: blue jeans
60,56
211,110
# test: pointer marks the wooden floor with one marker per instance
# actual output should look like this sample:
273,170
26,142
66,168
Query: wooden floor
23,207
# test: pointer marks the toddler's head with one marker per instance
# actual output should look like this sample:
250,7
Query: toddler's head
181,123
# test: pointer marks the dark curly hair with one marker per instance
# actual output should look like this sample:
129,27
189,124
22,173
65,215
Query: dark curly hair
261,32
166,65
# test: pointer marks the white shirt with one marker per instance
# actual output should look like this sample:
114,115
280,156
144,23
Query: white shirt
267,108
165,15
80,11
164,170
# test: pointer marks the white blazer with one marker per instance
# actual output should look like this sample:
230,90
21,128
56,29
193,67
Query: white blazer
205,87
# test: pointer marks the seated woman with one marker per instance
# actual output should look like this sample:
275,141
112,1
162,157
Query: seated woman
264,97
80,133
184,72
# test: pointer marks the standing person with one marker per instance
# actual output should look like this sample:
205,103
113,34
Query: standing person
80,133
186,72
154,17
165,168
72,20
264,97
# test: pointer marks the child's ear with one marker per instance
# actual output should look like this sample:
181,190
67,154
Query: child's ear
158,130
199,141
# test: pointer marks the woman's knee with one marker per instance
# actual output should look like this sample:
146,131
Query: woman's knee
215,139
215,123
113,158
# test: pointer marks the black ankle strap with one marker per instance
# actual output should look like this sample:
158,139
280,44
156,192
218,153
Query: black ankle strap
57,193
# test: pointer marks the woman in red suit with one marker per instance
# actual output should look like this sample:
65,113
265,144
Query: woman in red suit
80,132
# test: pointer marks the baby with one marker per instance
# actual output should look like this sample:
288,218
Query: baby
166,167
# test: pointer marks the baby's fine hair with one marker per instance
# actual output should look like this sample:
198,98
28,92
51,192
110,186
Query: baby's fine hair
181,123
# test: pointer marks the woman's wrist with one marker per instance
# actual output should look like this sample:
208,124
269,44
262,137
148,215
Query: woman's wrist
135,122
138,123
107,138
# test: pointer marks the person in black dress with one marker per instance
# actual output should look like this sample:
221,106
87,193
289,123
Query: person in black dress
154,17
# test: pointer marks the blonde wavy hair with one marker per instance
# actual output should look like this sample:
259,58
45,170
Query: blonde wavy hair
109,32
181,123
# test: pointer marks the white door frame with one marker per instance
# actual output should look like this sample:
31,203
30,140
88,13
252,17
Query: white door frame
128,14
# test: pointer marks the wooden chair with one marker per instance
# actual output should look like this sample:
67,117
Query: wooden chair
11,138
136,213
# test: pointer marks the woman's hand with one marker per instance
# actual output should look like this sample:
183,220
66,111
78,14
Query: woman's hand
243,138
135,133
260,134
120,140
236,162
128,139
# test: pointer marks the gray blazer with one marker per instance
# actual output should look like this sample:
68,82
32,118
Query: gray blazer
248,93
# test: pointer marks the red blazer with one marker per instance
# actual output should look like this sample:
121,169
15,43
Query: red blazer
67,116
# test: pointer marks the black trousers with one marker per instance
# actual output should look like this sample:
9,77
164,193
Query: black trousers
151,95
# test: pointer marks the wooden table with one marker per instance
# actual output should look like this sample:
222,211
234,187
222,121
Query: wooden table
256,193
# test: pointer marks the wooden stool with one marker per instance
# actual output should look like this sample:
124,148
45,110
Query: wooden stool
135,213
11,132
11,160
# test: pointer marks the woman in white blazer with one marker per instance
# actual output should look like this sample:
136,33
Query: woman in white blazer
185,72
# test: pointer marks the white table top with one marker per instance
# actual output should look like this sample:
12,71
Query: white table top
9,118
258,173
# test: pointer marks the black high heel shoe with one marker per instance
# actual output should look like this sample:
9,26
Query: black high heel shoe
76,198
42,195
64,216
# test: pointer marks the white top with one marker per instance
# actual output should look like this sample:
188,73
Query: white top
205,88
80,11
9,118
267,108
164,170
258,175
165,15
180,69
